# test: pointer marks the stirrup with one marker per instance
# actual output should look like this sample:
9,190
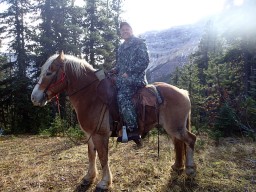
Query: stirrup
131,136
124,135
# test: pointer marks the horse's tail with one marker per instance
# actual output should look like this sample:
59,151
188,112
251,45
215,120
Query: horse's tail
188,125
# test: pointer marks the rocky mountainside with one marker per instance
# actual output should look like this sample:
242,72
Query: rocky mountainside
171,48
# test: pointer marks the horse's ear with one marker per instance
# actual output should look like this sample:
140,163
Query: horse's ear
61,56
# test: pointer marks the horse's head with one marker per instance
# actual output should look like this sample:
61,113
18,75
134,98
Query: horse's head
51,82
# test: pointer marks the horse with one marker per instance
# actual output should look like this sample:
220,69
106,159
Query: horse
77,78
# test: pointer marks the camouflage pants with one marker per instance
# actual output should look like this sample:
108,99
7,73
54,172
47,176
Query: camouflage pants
126,106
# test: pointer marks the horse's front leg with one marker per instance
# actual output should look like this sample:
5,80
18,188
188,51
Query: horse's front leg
92,169
101,145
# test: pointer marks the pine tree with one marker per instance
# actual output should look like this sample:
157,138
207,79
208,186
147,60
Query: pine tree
101,35
4,89
187,78
241,34
18,82
38,30
60,28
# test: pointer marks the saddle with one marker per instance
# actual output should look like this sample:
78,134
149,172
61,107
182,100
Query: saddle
146,101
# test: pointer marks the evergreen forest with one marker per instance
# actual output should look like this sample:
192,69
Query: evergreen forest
37,30
220,76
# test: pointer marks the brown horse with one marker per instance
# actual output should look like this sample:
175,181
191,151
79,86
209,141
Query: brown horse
76,77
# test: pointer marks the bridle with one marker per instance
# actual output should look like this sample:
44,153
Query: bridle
54,82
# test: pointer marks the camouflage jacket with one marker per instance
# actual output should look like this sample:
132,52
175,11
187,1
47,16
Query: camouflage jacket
133,59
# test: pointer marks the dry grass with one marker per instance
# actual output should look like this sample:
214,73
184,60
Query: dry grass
34,163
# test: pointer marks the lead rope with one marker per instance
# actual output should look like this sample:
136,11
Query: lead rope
102,114
158,130
158,143
63,129
158,135
58,103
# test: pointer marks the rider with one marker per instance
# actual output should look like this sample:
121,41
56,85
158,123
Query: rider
132,61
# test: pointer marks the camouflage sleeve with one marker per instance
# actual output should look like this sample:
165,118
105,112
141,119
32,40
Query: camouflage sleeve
117,65
142,60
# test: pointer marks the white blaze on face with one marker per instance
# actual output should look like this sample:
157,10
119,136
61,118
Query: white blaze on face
37,96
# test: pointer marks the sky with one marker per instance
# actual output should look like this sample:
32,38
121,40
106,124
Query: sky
153,15
149,15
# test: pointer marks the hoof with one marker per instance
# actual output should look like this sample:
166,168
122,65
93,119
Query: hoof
83,186
98,189
191,171
87,183
139,143
103,186
177,169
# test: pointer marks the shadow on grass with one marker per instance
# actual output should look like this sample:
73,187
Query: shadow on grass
84,186
180,182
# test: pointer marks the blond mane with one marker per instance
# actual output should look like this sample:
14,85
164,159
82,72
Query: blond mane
76,65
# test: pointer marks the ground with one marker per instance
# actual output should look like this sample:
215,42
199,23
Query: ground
39,163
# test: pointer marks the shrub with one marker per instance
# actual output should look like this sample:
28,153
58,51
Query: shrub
226,121
75,132
57,127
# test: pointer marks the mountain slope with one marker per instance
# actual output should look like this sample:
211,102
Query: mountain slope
171,48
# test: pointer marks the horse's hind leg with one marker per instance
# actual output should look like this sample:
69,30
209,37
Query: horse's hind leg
190,164
179,148
189,139
183,136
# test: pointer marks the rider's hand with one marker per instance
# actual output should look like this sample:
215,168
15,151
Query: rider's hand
112,71
125,75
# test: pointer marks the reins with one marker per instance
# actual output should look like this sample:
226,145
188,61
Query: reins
86,86
52,84
54,78
102,113
97,128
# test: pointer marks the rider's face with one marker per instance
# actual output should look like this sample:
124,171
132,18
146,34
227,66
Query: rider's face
126,32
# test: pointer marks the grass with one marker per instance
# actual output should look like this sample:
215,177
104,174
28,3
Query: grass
36,163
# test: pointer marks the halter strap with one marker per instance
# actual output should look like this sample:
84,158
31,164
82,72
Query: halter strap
63,76
54,78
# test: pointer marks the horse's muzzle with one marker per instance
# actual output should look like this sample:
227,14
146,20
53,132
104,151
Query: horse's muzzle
42,101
